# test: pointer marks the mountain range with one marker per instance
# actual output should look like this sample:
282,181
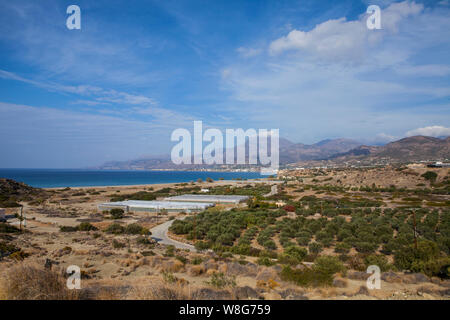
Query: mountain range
332,151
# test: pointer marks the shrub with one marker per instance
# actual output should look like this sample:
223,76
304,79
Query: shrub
197,260
407,257
328,266
117,213
296,253
321,274
7,249
202,245
143,240
365,247
377,260
315,248
7,228
182,259
265,261
270,244
135,228
439,267
219,280
342,248
430,176
68,229
86,226
115,228
117,244
170,251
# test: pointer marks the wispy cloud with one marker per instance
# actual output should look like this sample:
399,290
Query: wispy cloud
432,131
100,95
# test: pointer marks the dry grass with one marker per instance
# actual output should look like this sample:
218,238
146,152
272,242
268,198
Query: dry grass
159,290
29,281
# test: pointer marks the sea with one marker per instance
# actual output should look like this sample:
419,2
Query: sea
61,178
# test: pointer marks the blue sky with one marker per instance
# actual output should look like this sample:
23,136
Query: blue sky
117,88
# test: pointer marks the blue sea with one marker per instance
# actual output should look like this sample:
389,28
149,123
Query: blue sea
60,178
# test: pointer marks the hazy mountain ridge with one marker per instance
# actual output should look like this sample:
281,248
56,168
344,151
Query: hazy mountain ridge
337,151
416,148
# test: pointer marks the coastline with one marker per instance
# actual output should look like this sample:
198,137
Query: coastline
168,184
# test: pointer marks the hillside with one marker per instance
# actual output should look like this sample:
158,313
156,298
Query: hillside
12,192
416,148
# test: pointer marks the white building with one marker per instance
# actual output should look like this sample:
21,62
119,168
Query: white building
154,206
228,199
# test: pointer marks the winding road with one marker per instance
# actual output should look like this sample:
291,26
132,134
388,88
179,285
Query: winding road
273,191
159,233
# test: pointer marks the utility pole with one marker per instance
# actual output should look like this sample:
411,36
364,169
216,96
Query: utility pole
21,217
415,228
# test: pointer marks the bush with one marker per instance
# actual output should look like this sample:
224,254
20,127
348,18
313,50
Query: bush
377,260
430,176
219,280
321,274
135,228
115,228
117,244
439,267
265,261
116,213
143,240
68,229
7,249
342,248
7,228
170,251
270,244
293,255
315,248
328,266
408,258
86,226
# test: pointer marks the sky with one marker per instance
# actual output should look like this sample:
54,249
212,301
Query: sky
135,71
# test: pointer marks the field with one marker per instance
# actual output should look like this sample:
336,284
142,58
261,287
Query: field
313,239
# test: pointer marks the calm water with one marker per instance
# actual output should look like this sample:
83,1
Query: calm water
55,178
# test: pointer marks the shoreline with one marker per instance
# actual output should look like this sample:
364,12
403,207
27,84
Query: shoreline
165,184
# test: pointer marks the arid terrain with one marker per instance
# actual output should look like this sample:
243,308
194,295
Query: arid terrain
312,239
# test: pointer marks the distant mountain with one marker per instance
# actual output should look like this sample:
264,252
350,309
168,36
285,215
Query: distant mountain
416,148
329,151
318,151
289,153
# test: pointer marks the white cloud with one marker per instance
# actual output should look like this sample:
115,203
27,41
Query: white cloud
248,52
344,40
431,131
